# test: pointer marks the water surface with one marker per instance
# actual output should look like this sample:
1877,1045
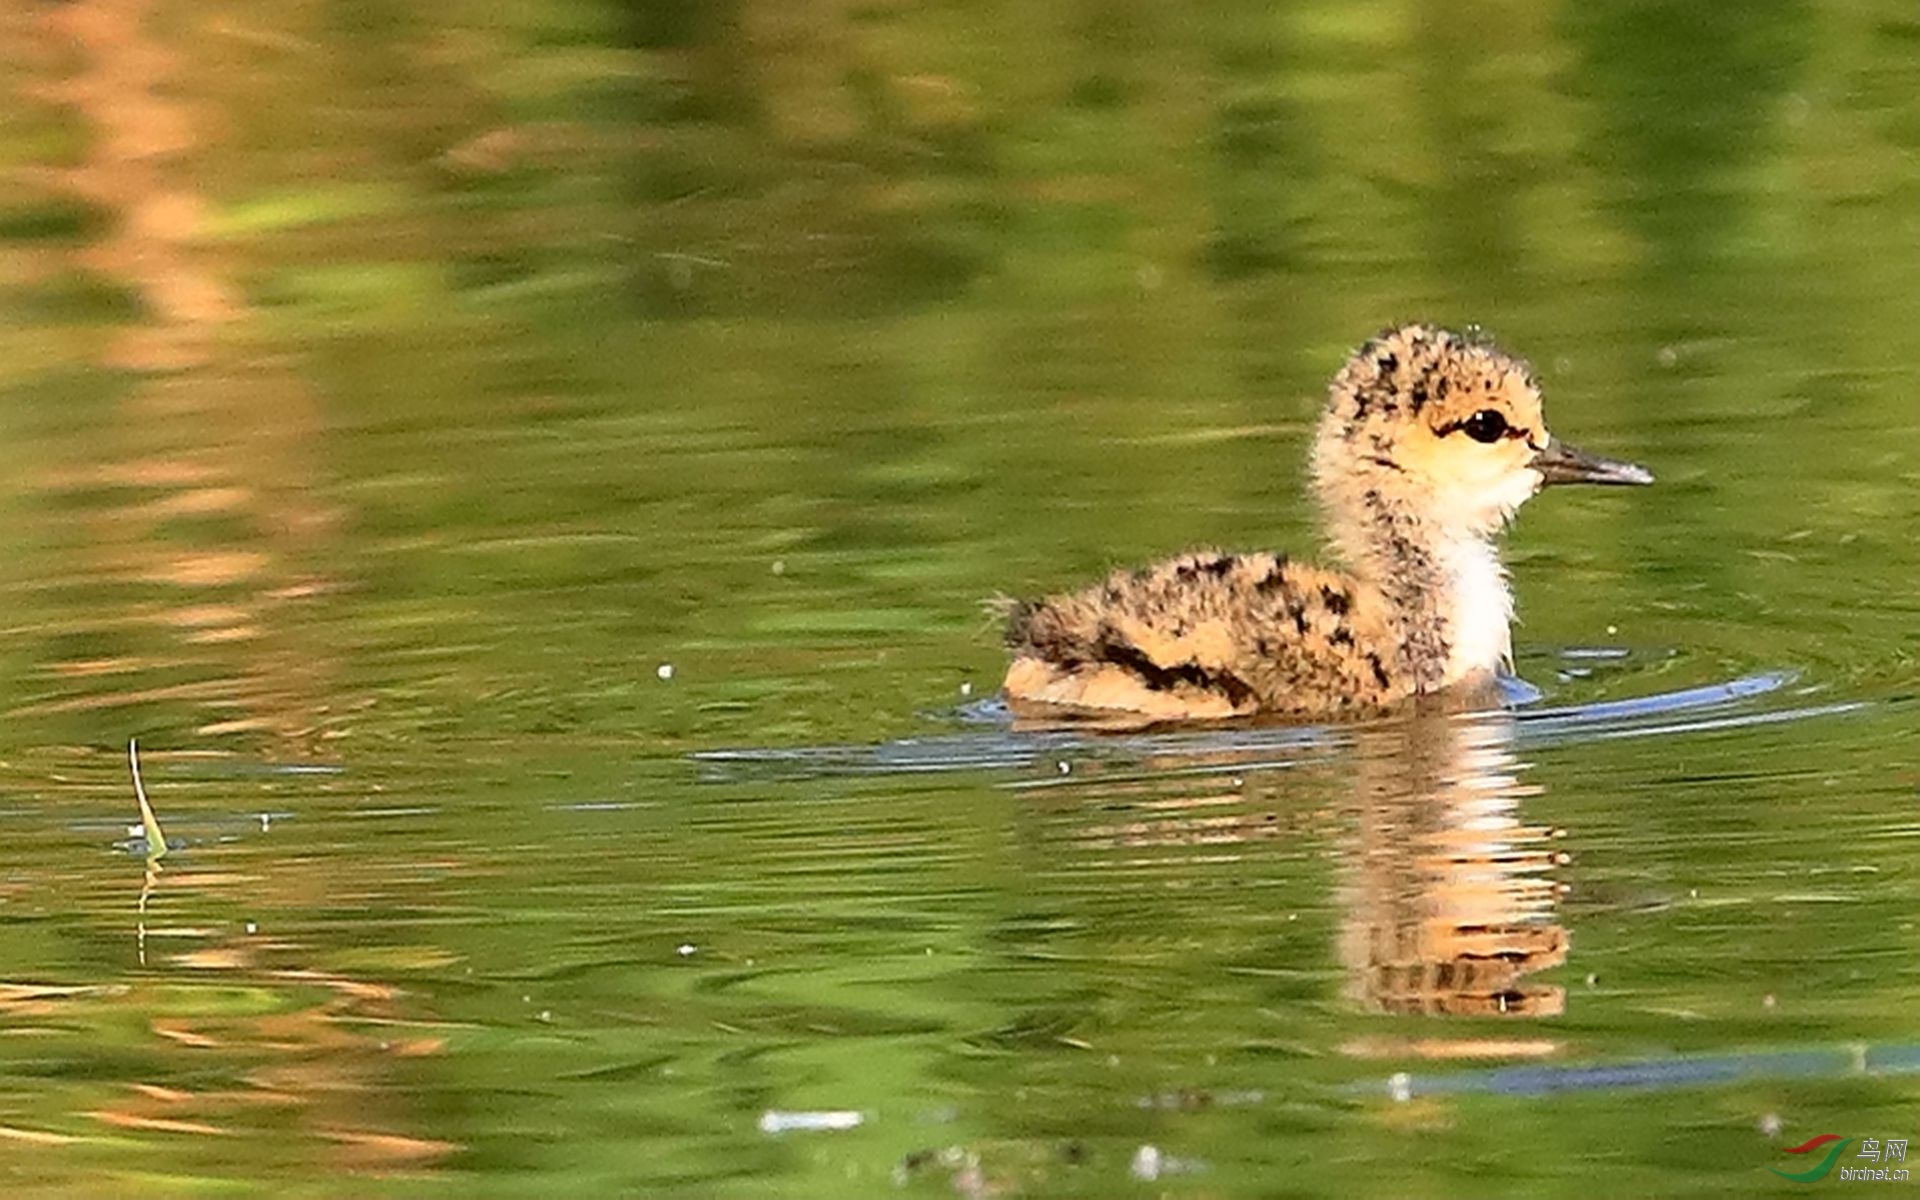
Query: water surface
528,475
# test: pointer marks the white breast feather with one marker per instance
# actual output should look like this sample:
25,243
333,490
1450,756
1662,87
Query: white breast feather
1482,609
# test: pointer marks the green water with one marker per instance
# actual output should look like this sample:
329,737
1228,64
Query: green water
390,394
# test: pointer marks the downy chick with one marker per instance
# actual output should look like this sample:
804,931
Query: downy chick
1429,443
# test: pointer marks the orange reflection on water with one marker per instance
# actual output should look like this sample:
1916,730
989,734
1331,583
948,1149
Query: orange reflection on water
198,505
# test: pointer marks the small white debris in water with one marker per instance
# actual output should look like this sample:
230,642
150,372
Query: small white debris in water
966,689
664,671
1770,1124
779,566
776,1120
1593,980
1612,629
1400,1086
1767,1001
266,822
1066,768
1146,1163
546,1016
136,831
252,928
970,1181
686,949
1668,356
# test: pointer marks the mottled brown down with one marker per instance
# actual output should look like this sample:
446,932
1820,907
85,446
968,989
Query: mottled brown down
1206,635
1429,443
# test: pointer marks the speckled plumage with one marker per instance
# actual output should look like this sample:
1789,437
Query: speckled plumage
1206,635
1429,442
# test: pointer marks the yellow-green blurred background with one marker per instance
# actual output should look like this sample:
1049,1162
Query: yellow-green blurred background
389,392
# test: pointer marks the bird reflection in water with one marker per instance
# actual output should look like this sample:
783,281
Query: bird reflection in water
1448,895
1445,894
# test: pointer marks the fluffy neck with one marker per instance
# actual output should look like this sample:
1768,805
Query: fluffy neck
1444,584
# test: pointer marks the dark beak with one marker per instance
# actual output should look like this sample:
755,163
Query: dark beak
1561,463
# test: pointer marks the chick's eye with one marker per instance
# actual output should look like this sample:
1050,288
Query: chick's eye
1487,425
